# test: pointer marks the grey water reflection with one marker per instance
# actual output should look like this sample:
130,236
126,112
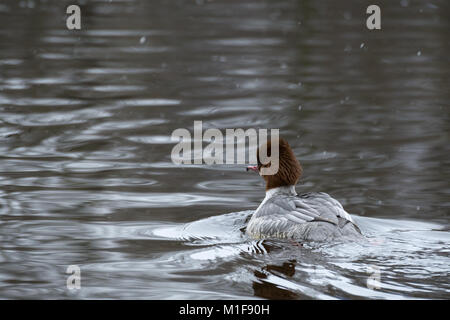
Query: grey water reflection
86,117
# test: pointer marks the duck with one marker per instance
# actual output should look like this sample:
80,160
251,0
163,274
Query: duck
285,214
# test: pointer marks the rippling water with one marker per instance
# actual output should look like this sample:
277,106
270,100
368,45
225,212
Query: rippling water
86,176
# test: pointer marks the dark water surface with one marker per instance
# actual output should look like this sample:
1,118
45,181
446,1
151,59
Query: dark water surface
86,117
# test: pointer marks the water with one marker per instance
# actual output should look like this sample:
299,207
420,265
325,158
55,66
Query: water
86,176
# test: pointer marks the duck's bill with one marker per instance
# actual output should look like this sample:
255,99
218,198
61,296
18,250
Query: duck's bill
252,168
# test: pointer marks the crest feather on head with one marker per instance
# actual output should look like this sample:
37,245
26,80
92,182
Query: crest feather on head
289,168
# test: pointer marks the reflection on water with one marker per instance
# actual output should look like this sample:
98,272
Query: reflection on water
86,118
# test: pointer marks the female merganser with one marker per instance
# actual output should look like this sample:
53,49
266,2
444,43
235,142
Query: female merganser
284,214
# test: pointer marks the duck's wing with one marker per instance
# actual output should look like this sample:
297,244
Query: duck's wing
296,216
275,216
328,208
284,210
288,209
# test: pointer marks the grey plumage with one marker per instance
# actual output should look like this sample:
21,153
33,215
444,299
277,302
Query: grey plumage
309,216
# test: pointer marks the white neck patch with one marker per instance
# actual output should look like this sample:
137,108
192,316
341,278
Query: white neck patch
289,190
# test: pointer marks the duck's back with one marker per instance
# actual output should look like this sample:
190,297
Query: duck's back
309,216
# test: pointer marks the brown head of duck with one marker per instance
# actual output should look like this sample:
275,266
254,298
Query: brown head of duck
289,168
